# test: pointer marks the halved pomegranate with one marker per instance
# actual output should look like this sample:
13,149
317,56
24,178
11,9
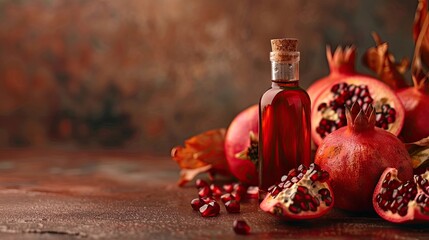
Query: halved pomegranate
328,113
241,145
302,194
402,201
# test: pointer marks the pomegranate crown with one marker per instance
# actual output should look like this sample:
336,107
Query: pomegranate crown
342,60
360,120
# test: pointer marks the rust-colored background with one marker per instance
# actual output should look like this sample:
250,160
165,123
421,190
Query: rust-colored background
145,75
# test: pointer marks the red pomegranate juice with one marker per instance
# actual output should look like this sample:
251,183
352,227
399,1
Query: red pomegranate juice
284,118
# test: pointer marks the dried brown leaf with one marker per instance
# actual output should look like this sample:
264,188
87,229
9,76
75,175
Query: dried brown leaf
382,62
421,51
419,152
201,153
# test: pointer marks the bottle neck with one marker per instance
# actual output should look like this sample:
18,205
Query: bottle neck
284,71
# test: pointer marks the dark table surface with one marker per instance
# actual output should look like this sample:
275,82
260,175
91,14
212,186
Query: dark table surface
119,195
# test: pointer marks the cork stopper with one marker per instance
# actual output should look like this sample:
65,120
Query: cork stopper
284,50
284,45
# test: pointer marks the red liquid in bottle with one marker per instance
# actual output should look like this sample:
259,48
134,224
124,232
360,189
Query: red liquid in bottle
284,140
284,118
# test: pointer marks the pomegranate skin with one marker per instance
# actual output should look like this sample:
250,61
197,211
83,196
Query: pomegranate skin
237,140
416,104
356,155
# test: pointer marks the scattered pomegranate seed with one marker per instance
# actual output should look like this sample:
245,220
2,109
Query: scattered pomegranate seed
204,192
207,199
196,203
239,191
252,192
226,197
232,206
241,227
216,190
201,183
228,188
211,209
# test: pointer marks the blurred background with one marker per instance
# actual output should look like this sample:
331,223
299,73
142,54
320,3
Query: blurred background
145,75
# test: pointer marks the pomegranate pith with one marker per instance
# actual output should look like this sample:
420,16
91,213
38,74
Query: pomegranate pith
356,155
402,201
302,194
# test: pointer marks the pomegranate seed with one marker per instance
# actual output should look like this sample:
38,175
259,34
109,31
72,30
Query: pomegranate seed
302,189
322,107
196,203
335,88
253,192
232,206
287,184
239,191
204,192
226,197
324,176
275,191
294,209
294,172
228,188
241,227
328,201
237,197
304,206
216,190
207,199
201,183
211,209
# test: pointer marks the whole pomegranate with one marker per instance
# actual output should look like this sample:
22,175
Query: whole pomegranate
398,201
357,154
341,64
241,145
328,113
302,194
416,104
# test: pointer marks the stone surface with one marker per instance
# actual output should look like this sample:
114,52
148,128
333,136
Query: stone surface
111,195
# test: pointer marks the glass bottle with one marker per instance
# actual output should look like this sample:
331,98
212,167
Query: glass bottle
284,117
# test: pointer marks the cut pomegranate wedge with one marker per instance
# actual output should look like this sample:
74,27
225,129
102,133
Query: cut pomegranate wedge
402,201
303,194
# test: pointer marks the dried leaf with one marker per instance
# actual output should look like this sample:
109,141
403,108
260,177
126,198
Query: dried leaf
201,153
187,175
382,63
419,17
421,51
419,152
